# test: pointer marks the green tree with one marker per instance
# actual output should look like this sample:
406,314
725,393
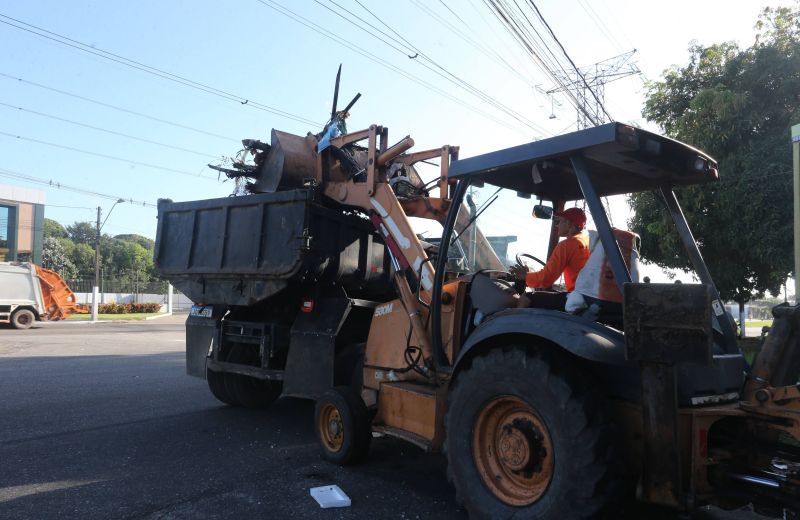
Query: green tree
54,229
82,232
737,105
82,256
145,242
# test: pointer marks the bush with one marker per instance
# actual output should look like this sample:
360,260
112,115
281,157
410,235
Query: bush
128,308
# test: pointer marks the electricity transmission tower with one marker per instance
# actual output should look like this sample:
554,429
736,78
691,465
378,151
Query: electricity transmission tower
587,85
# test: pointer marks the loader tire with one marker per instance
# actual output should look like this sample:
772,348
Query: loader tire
22,319
245,390
342,426
528,437
216,383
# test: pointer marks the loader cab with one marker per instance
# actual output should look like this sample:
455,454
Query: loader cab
494,195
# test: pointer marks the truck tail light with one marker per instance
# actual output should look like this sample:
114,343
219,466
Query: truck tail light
307,305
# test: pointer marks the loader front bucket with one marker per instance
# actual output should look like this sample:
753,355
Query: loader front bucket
291,163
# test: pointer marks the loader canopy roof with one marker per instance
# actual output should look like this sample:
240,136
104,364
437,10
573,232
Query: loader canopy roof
620,159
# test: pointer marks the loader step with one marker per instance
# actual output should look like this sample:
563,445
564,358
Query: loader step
409,410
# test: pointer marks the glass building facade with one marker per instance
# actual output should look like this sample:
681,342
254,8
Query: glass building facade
21,224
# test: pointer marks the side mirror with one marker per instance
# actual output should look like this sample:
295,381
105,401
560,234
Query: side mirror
544,212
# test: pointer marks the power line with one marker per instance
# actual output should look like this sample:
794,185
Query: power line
522,36
374,58
58,185
577,70
442,71
90,49
598,75
452,12
494,32
589,10
446,74
105,156
480,47
69,207
112,132
120,109
526,35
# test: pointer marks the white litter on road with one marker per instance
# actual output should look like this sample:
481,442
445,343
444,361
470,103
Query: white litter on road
330,496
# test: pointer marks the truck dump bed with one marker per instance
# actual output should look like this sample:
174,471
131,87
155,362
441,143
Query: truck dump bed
243,250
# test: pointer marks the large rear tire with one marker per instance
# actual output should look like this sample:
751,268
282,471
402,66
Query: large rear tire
22,319
216,383
245,390
528,437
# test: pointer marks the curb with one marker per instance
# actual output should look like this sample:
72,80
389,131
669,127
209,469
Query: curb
165,315
90,322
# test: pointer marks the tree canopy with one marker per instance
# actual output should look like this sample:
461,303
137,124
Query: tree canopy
54,229
82,232
70,251
738,105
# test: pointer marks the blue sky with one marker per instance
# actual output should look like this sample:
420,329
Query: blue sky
249,49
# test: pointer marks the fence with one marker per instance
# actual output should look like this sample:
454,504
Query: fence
116,285
129,291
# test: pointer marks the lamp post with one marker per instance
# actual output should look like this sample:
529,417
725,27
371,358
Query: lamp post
96,290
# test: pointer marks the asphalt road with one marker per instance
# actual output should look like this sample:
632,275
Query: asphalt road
99,421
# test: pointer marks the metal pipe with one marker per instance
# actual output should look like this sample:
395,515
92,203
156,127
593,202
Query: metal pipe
759,481
439,356
613,252
796,164
395,150
700,268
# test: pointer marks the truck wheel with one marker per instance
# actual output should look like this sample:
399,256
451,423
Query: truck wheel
526,437
245,390
216,383
342,425
22,319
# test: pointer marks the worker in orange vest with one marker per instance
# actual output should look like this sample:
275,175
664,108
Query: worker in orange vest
568,258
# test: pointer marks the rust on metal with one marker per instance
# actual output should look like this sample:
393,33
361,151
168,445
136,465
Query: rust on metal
426,207
512,450
331,428
395,150
291,161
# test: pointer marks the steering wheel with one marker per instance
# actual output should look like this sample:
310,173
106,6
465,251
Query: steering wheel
520,256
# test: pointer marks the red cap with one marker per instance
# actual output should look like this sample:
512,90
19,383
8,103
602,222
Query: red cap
574,215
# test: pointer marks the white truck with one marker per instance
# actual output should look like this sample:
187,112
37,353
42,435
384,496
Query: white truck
31,293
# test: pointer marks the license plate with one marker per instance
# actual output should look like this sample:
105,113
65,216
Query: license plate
204,311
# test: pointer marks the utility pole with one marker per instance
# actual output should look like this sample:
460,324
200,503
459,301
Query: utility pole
96,288
97,249
796,164
96,291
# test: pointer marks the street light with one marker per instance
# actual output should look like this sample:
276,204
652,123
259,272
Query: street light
97,255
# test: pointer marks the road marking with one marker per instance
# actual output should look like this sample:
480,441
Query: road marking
14,492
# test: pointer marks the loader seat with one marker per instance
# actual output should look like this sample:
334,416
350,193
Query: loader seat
596,293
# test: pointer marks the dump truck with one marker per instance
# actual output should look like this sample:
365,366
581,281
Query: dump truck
315,284
30,293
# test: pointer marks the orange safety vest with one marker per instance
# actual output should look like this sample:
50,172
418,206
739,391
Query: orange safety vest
568,257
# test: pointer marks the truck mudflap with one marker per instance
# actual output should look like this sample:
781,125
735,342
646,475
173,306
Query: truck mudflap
202,332
312,347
